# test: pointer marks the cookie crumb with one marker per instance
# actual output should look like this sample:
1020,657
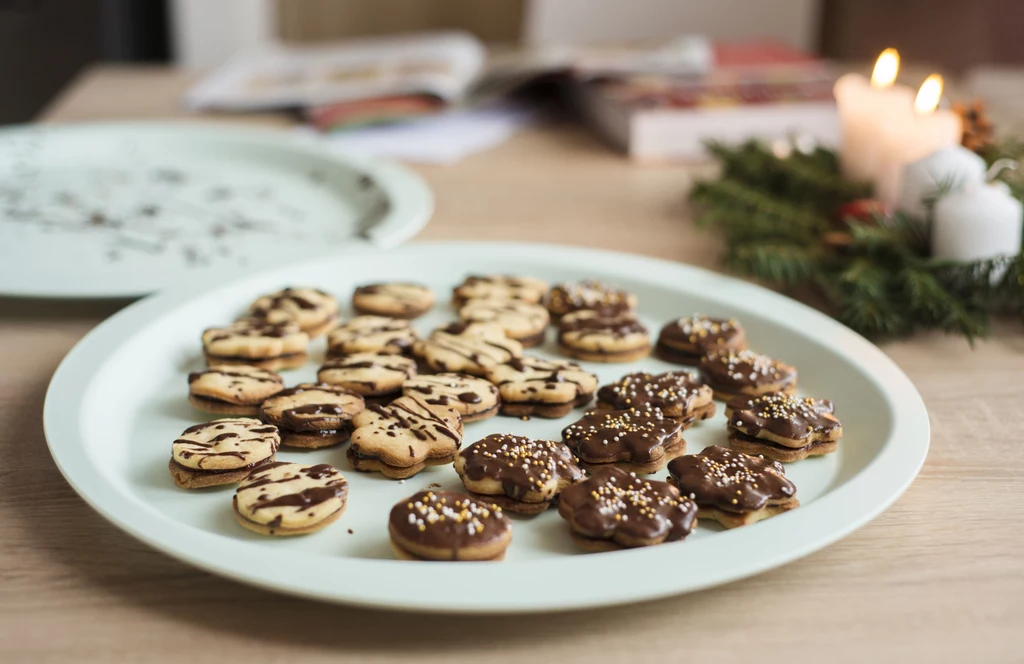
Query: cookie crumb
433,485
401,481
349,531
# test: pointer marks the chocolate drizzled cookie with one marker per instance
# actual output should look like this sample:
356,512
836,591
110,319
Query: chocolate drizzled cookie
499,287
687,340
545,388
523,321
441,525
614,510
232,389
519,474
396,299
638,441
733,374
783,427
401,439
371,334
676,394
474,398
733,488
375,377
256,343
473,349
312,309
312,415
290,499
222,451
607,334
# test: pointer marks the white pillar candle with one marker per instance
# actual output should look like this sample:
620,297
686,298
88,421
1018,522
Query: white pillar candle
976,223
947,169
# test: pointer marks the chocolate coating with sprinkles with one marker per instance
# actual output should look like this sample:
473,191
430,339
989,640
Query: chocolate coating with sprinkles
448,520
730,481
636,436
590,294
699,334
521,465
644,391
794,418
738,371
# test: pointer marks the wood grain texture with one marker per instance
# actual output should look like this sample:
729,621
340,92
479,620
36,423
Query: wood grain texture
939,577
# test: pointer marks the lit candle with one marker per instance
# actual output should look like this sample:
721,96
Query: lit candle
863,107
947,169
977,222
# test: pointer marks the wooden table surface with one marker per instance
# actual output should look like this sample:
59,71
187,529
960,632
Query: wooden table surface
939,577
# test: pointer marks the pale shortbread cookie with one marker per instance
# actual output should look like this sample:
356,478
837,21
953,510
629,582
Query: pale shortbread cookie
473,350
290,499
312,415
638,441
223,451
232,389
523,321
733,488
404,437
569,297
615,510
733,374
368,374
603,335
687,340
546,388
519,474
398,300
371,334
256,343
441,525
313,310
677,394
499,287
474,398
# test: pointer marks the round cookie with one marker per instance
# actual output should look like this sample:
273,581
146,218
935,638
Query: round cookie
603,335
734,374
687,340
545,388
371,375
441,525
499,287
519,320
397,300
615,510
313,310
638,441
223,451
256,343
677,394
731,487
290,499
371,334
474,398
312,415
232,389
569,297
473,349
518,474
783,427
404,437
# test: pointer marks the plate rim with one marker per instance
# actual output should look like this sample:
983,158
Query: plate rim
886,476
412,200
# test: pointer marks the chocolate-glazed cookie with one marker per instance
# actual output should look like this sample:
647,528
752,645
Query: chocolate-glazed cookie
257,343
290,499
677,394
687,340
614,510
609,334
545,388
223,451
313,310
442,525
375,377
371,334
523,321
397,300
638,441
232,389
731,487
312,415
569,297
499,287
783,427
519,474
474,398
733,374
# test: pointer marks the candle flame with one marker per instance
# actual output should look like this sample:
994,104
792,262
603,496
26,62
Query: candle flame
886,67
929,94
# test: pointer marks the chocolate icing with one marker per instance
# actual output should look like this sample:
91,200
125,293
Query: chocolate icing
730,481
478,350
286,301
404,416
699,334
253,327
786,416
590,294
202,449
541,376
449,386
262,377
606,436
325,417
343,338
671,390
736,371
520,464
448,521
614,322
335,487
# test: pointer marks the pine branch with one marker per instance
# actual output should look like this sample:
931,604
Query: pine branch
733,199
785,265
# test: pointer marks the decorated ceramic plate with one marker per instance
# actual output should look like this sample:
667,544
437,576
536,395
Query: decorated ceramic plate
122,210
120,398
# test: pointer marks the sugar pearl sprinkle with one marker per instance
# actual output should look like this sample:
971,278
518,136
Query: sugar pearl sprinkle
699,326
624,422
433,511
637,496
746,364
587,293
778,406
636,389
542,457
733,470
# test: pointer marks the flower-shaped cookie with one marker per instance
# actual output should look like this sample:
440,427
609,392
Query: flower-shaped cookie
257,343
474,398
783,427
639,441
523,321
397,300
404,437
472,349
374,376
499,287
687,340
676,394
371,334
569,297
733,374
546,388
313,310
232,389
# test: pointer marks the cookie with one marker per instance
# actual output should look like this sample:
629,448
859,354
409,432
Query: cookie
523,321
566,298
687,340
397,300
615,510
375,377
232,389
518,474
474,398
257,343
371,334
290,499
223,451
312,415
499,287
783,427
472,349
404,437
313,310
603,335
733,488
677,394
545,388
733,374
441,525
638,441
